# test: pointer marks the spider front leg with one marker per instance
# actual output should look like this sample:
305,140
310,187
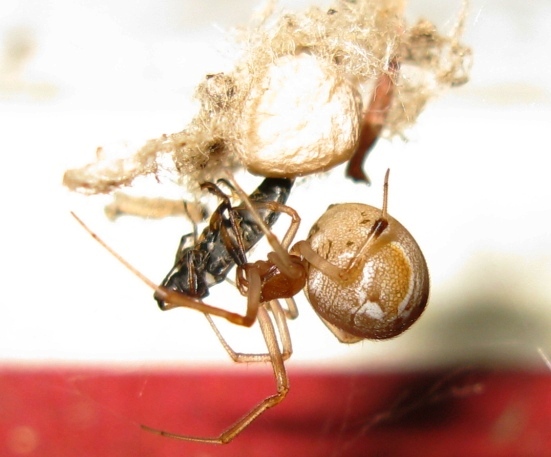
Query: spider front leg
274,355
173,298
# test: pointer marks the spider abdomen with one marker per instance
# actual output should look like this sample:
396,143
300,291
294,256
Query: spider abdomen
382,293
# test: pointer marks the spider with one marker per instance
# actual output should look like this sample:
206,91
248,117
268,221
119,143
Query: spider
361,270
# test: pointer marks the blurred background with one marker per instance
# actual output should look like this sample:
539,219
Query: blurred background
470,183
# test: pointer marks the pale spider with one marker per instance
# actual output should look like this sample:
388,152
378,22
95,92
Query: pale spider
361,270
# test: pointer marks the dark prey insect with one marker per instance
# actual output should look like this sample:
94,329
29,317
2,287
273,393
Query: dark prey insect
231,233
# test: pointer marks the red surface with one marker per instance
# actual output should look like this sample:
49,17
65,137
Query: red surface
83,412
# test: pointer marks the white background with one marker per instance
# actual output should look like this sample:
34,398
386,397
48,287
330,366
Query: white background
472,185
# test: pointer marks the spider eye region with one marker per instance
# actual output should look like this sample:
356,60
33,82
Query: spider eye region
386,289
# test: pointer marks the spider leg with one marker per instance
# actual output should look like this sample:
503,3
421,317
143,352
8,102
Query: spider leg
369,246
282,387
174,299
281,257
279,350
280,317
292,311
291,231
335,272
